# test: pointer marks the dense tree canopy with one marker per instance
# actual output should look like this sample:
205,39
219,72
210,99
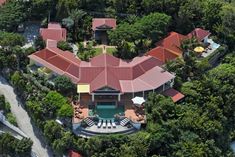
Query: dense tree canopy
151,27
11,146
202,124
11,15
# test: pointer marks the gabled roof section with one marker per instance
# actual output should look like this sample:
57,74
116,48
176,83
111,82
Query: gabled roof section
140,74
53,32
172,42
108,71
174,94
162,54
61,62
103,23
199,33
104,60
168,48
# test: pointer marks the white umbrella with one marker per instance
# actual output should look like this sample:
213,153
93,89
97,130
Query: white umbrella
138,100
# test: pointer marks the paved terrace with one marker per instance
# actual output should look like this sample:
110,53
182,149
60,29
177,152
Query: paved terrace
135,114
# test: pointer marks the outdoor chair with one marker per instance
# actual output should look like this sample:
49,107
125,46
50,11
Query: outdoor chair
104,124
113,123
109,124
100,123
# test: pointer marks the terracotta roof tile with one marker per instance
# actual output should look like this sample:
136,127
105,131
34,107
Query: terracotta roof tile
53,32
168,48
174,94
2,2
97,22
199,33
143,73
74,154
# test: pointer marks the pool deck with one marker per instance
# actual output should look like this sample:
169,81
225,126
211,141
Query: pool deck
84,111
106,130
132,112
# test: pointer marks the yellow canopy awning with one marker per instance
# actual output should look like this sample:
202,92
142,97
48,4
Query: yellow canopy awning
199,49
83,88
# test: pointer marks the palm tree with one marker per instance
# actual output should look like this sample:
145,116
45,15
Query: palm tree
76,15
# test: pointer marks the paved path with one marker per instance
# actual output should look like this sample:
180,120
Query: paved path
23,120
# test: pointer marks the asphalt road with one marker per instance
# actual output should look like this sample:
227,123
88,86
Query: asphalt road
23,120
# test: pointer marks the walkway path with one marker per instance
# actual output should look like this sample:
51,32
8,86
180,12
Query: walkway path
24,121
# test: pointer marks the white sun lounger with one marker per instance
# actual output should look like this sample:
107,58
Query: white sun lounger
104,124
100,123
113,124
109,124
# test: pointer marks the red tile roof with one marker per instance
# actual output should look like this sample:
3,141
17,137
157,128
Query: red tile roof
174,94
162,54
2,2
172,42
53,32
142,73
106,70
169,48
74,154
199,33
103,22
61,62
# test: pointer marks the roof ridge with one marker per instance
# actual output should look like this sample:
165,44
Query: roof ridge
68,67
141,67
68,60
172,51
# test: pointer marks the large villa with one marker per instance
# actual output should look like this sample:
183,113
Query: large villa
111,91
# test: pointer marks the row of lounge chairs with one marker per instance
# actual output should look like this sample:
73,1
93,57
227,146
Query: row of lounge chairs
89,122
124,122
106,123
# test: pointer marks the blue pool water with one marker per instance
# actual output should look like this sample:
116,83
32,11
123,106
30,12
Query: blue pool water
107,110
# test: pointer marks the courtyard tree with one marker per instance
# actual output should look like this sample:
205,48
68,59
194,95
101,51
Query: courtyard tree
39,43
148,28
64,85
63,45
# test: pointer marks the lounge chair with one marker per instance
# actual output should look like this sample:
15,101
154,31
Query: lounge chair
100,123
89,122
124,122
104,124
109,124
113,123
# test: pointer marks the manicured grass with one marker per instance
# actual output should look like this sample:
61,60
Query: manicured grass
98,51
110,50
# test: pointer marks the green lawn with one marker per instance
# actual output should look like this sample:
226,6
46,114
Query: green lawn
110,50
98,51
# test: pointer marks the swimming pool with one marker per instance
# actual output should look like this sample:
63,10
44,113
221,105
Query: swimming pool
107,110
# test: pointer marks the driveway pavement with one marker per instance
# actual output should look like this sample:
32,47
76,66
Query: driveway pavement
23,120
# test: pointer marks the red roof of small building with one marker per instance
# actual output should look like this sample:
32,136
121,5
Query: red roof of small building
169,48
199,33
172,42
103,22
174,94
53,32
74,154
163,54
2,2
